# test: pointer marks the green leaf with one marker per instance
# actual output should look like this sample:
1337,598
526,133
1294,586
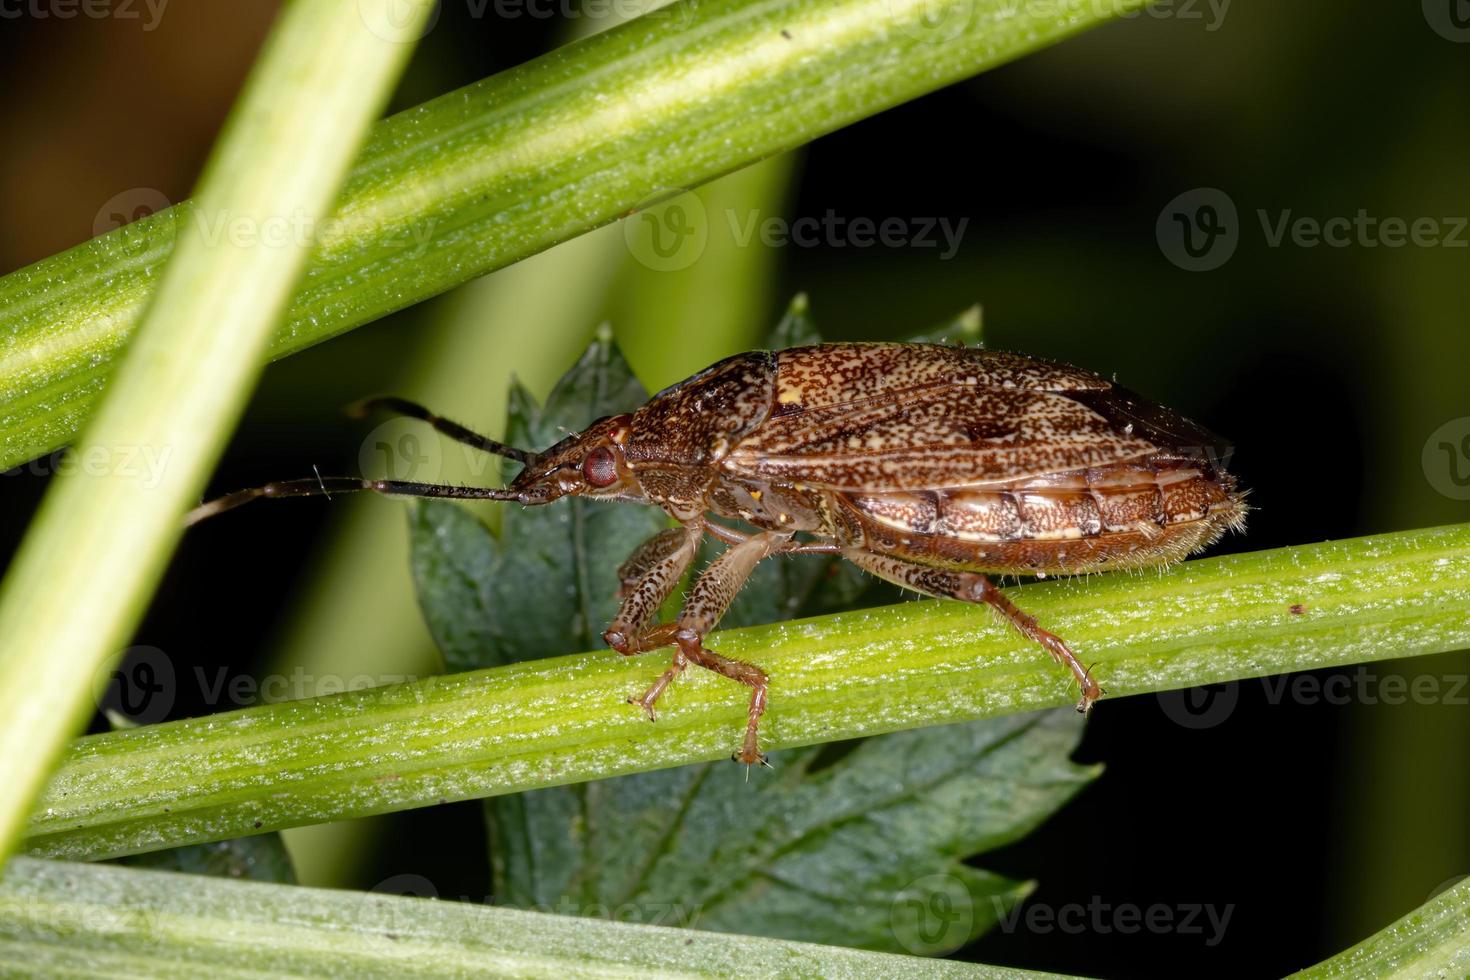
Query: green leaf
964,330
795,328
259,858
803,854
865,852
547,585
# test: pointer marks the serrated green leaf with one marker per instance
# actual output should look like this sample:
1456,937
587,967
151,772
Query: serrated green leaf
547,585
866,852
262,857
796,328
964,330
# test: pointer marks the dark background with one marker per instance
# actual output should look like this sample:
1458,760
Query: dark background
1314,822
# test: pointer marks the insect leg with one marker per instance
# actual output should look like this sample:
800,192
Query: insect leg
658,564
974,587
648,576
709,599
647,556
731,536
453,430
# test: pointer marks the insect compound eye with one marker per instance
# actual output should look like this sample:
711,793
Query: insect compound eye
600,469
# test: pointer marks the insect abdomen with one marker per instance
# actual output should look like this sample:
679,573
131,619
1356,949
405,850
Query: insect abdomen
1127,515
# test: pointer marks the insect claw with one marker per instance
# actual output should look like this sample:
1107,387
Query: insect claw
634,699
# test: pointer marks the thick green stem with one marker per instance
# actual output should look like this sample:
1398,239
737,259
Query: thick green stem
89,562
59,919
502,169
918,663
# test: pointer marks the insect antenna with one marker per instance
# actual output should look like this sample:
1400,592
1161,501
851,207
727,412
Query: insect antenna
325,486
453,430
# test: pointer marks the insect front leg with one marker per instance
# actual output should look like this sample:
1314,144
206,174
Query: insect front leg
974,587
650,555
647,577
711,596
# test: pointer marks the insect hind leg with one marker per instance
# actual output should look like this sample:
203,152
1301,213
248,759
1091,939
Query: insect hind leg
975,587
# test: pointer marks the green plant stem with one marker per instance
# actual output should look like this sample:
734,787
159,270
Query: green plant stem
61,919
502,169
89,562
918,663
1431,941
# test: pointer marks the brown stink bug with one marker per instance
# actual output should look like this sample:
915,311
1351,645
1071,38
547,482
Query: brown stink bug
926,465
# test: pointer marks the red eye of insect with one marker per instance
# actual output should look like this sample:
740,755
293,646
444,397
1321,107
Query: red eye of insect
600,469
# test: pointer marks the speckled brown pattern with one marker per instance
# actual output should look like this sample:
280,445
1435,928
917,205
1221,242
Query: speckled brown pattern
928,466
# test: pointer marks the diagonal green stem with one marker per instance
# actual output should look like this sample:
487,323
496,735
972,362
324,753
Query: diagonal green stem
502,169
61,919
919,663
89,562
1431,941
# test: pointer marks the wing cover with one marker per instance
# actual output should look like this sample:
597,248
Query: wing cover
916,417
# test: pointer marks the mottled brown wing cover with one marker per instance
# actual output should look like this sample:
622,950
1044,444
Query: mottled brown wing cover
878,417
985,461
